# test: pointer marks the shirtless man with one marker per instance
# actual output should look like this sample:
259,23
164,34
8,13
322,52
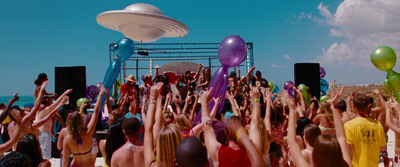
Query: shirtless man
380,110
393,124
45,130
131,153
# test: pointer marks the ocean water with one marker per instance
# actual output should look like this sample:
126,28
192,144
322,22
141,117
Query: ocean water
21,102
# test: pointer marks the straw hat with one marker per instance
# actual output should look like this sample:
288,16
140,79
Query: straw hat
142,22
131,78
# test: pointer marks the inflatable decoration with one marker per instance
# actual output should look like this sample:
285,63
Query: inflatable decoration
231,52
275,90
124,49
322,72
384,58
303,89
142,22
289,87
92,91
324,85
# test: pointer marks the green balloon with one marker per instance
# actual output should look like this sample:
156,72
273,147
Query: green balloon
271,86
324,98
303,89
80,101
383,58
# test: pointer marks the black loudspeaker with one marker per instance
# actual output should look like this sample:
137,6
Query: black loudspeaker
71,78
308,74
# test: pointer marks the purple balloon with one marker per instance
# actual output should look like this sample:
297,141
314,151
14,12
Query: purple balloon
288,84
232,51
322,72
219,83
291,92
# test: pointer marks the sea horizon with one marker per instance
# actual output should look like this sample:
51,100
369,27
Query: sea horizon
21,102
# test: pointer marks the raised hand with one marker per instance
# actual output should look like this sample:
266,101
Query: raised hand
217,100
206,96
155,90
254,93
15,97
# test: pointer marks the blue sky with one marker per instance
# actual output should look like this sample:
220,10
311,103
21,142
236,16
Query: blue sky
36,36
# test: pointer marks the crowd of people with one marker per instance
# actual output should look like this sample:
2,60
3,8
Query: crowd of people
153,124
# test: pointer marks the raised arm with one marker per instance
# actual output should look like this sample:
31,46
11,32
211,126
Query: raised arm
196,76
234,105
215,108
142,111
133,106
159,117
249,73
36,106
298,158
389,122
267,118
302,101
254,155
4,114
148,148
340,134
193,110
15,135
50,108
93,120
254,131
212,144
187,100
155,76
51,114
238,73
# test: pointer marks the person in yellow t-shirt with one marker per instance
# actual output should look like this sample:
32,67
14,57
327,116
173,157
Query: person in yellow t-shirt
365,136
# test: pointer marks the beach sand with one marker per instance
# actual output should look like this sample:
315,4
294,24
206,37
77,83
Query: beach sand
55,162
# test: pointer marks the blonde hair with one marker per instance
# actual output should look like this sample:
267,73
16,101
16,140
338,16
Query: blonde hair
167,143
75,124
182,122
326,109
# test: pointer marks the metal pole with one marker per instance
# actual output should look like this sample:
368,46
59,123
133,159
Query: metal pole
209,63
137,69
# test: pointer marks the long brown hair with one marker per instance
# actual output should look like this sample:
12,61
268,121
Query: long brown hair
327,152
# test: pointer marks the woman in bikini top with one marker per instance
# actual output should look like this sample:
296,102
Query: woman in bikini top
325,119
78,141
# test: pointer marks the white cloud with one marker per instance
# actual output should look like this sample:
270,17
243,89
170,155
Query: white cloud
310,16
276,66
287,57
364,24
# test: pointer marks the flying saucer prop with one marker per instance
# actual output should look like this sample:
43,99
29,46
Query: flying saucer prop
142,22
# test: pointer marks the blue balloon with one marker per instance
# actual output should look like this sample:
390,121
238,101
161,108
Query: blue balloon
276,89
324,85
112,73
125,49
323,93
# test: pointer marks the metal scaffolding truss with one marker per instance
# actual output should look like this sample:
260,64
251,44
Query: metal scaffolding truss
160,53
